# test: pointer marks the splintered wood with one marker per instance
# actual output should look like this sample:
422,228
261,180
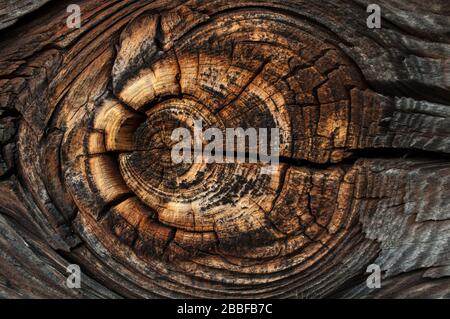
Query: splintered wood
86,137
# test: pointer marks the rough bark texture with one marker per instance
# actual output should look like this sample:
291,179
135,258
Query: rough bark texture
85,171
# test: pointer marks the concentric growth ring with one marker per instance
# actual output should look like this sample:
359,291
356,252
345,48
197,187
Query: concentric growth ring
220,222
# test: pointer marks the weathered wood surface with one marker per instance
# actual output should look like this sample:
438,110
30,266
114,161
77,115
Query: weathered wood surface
12,10
86,178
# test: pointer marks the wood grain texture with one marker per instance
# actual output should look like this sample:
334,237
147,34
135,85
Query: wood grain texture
12,10
86,175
